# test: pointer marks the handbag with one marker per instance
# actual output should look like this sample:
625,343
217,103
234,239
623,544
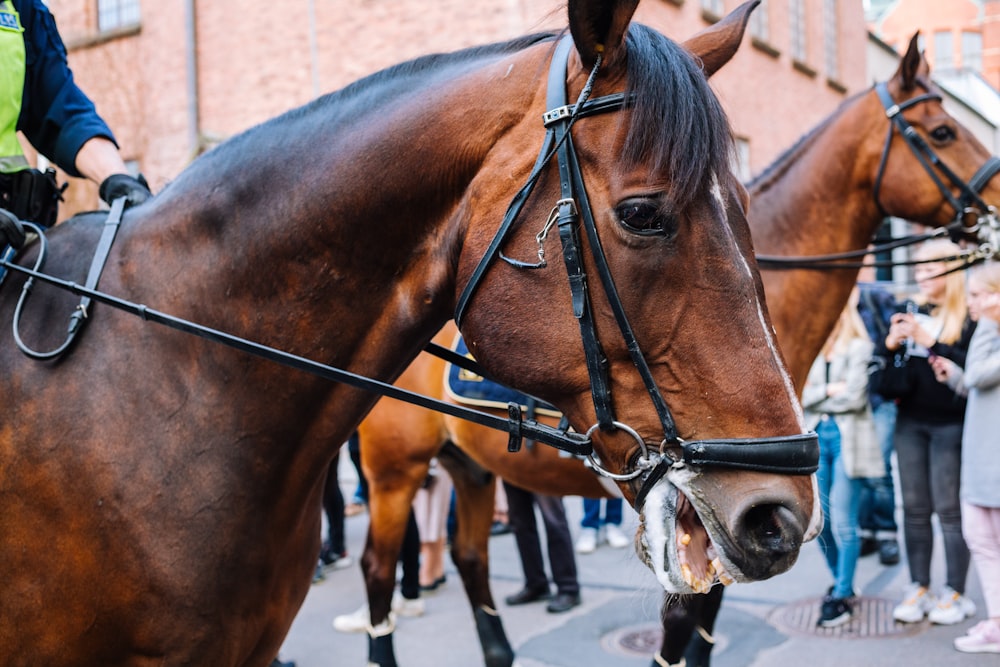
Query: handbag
892,375
861,450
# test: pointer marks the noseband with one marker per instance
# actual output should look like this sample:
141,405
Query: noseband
793,455
986,226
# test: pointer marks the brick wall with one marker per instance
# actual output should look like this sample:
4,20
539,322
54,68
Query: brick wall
252,65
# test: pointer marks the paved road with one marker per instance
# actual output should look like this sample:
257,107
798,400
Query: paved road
762,624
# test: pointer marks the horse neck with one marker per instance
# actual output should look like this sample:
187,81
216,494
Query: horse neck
349,260
818,198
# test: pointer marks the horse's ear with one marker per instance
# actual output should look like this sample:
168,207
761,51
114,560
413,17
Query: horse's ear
715,45
599,26
913,65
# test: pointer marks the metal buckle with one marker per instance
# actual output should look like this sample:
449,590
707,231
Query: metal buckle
557,114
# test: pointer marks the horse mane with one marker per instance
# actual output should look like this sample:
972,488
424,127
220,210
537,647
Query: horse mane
677,122
783,162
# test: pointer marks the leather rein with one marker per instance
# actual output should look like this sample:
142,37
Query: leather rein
793,455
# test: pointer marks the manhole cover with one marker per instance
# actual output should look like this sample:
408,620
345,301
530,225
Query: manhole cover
872,618
642,641
635,640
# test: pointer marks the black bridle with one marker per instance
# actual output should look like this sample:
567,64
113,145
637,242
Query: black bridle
793,455
974,218
968,201
797,454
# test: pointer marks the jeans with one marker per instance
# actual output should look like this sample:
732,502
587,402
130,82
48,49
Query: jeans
592,512
878,495
840,498
930,461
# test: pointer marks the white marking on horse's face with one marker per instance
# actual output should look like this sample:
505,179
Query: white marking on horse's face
716,191
659,522
816,519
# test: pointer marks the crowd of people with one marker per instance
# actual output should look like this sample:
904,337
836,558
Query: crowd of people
914,376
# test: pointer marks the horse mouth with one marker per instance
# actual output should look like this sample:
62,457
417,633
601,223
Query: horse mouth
701,566
676,545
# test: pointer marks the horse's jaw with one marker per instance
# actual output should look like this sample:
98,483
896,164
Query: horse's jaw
676,538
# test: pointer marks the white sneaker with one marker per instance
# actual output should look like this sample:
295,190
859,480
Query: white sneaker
356,621
587,541
616,538
983,637
407,607
952,608
917,602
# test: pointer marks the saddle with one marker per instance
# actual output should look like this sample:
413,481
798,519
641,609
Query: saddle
467,388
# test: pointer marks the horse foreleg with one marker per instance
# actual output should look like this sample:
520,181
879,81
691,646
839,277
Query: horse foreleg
474,498
688,623
389,508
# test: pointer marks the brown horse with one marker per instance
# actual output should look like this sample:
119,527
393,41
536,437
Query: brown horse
783,224
161,492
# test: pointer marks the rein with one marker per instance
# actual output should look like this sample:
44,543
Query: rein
570,442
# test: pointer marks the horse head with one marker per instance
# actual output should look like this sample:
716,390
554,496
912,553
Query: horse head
928,167
668,357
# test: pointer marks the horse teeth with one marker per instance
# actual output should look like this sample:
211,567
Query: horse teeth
720,571
700,585
686,539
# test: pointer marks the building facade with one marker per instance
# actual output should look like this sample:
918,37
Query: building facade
175,77
957,34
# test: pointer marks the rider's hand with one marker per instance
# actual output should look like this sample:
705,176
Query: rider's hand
136,190
11,231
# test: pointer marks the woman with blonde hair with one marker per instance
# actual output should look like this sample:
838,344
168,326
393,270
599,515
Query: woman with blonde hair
835,400
928,436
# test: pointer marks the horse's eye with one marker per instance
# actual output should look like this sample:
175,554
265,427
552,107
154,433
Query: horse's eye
943,134
645,218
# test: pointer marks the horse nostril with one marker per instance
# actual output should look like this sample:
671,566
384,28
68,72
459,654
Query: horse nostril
771,537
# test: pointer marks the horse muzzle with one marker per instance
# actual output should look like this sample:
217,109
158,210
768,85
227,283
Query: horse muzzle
697,531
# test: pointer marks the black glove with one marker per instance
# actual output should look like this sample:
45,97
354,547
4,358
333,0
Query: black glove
122,185
11,231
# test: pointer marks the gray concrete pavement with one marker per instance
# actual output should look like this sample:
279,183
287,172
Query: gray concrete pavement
761,624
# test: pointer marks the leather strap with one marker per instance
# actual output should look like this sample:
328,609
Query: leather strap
80,313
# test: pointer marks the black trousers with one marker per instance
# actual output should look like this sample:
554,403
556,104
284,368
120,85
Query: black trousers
521,512
333,505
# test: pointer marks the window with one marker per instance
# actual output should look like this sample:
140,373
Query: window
972,51
831,46
742,166
114,14
714,6
797,25
760,26
943,51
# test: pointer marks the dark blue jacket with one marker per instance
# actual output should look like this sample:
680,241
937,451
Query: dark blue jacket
876,307
56,116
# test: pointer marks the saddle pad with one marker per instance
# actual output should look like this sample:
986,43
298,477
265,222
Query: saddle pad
467,388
